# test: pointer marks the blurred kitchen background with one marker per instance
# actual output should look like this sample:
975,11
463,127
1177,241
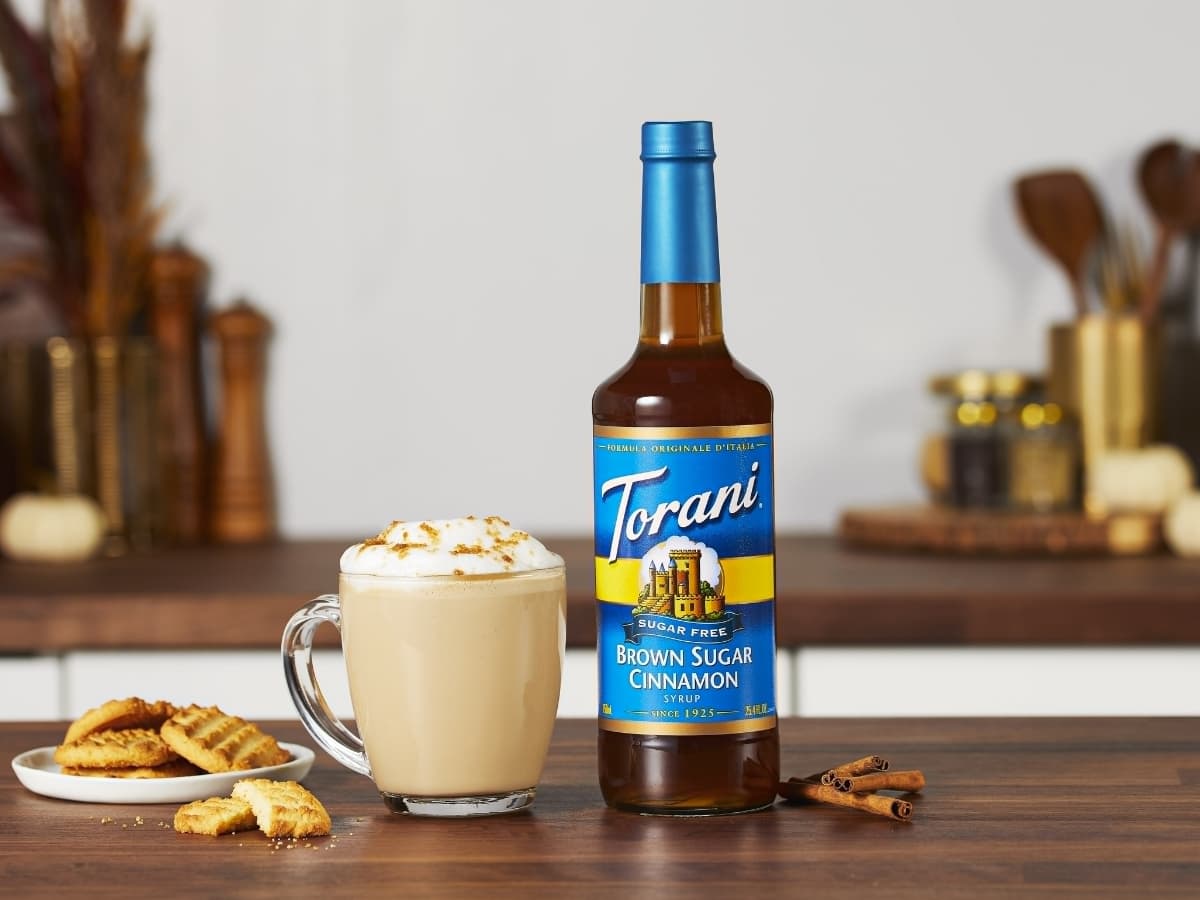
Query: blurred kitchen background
431,210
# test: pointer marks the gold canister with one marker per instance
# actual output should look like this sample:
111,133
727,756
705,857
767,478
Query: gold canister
128,469
106,426
141,447
1104,373
79,417
45,425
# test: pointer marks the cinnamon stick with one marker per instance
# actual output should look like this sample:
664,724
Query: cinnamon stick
799,791
846,770
825,777
861,767
912,780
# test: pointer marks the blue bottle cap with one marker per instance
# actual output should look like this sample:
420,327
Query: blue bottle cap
678,140
679,206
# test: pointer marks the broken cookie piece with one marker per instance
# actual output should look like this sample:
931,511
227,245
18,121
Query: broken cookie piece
283,808
216,815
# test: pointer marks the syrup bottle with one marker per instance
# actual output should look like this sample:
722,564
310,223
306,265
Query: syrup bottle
684,523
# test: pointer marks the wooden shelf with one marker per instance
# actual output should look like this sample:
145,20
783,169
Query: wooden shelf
240,597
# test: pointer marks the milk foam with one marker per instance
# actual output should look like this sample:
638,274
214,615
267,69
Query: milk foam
468,546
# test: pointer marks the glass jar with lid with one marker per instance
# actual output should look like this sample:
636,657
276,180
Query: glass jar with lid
1043,457
982,416
974,448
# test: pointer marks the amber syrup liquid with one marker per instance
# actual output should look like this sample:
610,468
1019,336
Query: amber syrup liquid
682,374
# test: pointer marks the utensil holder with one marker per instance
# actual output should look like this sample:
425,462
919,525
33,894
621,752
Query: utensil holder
1104,371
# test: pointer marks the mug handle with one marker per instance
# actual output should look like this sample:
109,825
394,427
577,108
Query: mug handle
326,729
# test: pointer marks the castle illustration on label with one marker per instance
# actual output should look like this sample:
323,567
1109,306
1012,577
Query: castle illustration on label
676,589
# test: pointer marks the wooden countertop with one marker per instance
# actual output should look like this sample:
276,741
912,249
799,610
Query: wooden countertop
239,597
1029,807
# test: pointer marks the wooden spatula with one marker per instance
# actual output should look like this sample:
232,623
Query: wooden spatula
1062,214
1169,176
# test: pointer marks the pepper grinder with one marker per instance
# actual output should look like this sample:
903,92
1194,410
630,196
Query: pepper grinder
243,490
178,279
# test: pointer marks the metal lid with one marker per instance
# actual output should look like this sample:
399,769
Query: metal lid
1009,383
975,384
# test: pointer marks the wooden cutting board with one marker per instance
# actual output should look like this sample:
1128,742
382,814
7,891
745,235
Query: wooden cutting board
934,529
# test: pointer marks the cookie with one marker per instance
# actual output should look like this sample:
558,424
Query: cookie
127,748
283,808
115,715
217,742
179,768
216,815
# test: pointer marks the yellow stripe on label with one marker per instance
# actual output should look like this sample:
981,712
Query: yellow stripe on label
743,726
748,579
703,431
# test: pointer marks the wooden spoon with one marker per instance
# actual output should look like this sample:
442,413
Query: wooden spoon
1062,214
1163,174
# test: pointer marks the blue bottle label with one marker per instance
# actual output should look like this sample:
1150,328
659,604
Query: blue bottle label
685,579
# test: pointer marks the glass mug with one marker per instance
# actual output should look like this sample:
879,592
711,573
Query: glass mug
454,680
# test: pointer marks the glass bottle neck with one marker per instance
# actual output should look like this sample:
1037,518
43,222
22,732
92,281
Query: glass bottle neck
681,315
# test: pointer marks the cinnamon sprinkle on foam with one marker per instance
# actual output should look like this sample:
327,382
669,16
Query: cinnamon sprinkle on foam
460,547
401,549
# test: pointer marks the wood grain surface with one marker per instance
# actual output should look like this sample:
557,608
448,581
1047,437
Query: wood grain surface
983,532
241,596
1013,807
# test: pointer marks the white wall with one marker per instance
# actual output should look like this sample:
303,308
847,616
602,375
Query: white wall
437,202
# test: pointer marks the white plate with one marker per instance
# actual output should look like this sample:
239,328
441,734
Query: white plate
37,770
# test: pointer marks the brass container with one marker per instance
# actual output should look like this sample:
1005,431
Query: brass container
1104,372
106,413
128,467
45,416
81,417
143,453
